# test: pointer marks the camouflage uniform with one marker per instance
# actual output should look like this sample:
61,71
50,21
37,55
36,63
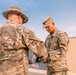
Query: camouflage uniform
15,42
57,46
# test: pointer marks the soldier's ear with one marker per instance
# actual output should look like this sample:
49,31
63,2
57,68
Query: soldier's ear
53,23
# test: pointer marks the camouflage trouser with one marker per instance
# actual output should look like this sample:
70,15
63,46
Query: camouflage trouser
57,73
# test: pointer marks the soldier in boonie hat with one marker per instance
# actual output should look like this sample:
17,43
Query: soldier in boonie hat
15,10
16,42
47,21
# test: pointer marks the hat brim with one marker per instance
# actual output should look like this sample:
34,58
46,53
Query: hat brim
5,14
45,25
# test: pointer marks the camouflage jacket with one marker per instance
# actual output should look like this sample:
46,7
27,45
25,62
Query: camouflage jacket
15,43
57,46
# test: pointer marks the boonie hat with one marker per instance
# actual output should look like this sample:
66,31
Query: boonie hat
47,21
15,10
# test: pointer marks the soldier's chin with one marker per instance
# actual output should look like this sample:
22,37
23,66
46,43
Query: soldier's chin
51,32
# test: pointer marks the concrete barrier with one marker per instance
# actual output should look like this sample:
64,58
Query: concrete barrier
43,72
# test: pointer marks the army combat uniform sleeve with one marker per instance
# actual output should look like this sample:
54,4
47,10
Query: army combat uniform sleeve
60,51
35,44
63,43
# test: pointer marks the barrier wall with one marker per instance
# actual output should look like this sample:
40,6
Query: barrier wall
71,55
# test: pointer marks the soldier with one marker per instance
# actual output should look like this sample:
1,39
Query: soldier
57,46
15,43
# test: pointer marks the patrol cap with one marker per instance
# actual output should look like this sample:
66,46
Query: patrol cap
15,10
47,21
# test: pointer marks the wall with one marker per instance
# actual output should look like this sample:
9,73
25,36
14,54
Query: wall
71,55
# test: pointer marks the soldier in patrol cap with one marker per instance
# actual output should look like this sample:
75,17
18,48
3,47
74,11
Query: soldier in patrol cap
15,43
57,46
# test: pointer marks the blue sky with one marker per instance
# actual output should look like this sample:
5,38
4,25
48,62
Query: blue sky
63,13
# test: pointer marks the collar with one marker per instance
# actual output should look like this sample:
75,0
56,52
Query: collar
55,32
11,22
